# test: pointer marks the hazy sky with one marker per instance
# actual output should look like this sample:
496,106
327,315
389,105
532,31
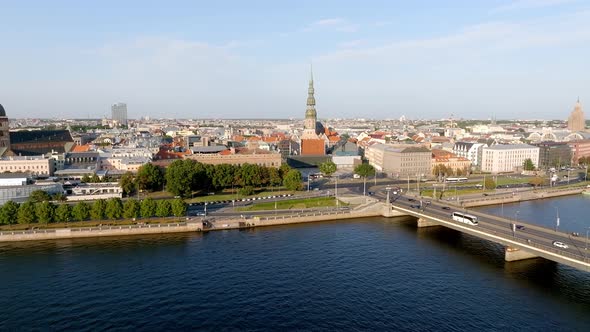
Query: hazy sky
373,59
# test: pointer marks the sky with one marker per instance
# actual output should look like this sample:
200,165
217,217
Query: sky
251,59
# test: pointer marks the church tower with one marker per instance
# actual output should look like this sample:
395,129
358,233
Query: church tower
311,116
4,130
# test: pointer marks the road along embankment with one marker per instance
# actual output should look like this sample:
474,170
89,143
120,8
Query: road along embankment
375,209
519,197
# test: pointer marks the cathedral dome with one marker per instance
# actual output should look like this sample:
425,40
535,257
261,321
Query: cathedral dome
2,112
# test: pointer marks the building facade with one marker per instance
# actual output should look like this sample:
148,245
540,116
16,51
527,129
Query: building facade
508,158
261,158
554,154
580,149
4,130
400,161
37,165
469,151
576,120
119,113
458,165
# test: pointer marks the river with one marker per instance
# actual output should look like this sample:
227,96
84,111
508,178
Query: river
368,274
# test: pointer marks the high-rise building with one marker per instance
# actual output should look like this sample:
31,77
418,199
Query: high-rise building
311,142
4,131
119,113
576,121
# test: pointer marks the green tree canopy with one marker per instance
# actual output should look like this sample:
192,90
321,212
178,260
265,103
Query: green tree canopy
163,208
148,208
537,181
131,209
8,213
114,208
178,208
127,183
364,170
26,213
293,180
182,176
328,168
150,177
44,212
528,165
489,183
274,177
81,211
63,213
39,196
98,210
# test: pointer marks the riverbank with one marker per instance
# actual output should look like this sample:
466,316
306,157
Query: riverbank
370,209
516,197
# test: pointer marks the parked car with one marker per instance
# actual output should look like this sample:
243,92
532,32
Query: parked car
520,227
560,245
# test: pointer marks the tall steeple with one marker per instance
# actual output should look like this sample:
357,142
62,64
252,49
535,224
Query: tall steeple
310,112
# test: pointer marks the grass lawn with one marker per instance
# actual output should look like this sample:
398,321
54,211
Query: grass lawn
294,204
506,180
230,196
91,223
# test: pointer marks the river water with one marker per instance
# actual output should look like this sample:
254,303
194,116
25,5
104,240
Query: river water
369,274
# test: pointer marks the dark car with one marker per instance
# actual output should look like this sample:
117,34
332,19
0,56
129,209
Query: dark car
415,206
520,227
411,200
445,208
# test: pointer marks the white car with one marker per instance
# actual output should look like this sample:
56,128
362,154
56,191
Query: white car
560,245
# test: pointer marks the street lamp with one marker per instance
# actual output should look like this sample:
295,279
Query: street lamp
586,247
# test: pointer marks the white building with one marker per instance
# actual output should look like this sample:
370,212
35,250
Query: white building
470,151
508,158
36,165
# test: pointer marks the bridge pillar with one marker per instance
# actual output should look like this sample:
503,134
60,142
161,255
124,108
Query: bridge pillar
513,254
426,223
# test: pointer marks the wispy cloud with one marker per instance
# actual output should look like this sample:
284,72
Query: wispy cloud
335,24
530,4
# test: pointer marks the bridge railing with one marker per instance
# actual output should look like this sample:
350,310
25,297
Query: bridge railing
509,235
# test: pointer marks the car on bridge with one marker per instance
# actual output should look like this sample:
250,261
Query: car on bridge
520,227
560,245
445,208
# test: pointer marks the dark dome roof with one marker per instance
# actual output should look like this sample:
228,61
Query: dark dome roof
2,112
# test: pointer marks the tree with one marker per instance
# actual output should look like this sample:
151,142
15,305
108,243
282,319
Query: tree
181,177
39,196
293,180
60,197
274,177
26,213
178,208
81,211
223,175
537,181
284,170
149,177
8,213
94,178
63,213
98,210
364,170
489,183
246,191
44,212
131,209
114,208
85,178
148,208
328,168
127,183
528,165
163,208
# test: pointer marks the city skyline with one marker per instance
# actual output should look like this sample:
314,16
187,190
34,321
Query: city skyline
508,59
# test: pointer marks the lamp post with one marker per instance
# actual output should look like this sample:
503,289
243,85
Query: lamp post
336,192
514,223
586,247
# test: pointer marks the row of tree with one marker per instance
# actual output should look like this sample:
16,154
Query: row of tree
111,209
443,171
185,176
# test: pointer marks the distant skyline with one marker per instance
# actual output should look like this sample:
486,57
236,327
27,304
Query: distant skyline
251,59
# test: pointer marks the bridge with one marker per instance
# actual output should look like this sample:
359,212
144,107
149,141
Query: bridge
522,242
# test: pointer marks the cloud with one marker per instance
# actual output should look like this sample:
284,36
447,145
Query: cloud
335,24
530,4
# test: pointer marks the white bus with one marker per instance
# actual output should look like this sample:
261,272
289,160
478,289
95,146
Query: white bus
452,180
465,218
